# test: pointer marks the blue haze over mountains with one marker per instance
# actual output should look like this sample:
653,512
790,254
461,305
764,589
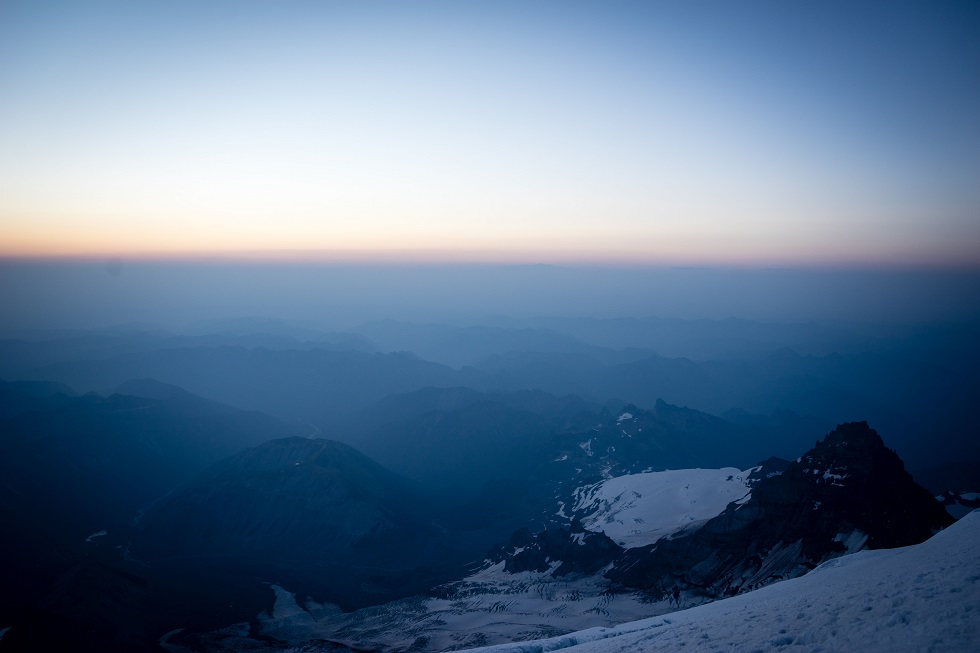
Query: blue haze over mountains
206,416
319,343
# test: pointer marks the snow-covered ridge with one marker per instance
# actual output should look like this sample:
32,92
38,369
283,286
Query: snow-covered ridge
918,598
639,509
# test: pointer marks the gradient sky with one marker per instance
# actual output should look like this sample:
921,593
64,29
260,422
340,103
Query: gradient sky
667,133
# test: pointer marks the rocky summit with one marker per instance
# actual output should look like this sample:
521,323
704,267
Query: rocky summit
847,493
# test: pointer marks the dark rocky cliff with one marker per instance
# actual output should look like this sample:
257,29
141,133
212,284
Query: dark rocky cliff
848,492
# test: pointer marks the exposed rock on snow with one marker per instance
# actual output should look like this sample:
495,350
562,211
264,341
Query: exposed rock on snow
849,491
918,598
714,532
559,551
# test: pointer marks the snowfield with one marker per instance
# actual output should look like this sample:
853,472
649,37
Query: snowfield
639,509
491,606
918,598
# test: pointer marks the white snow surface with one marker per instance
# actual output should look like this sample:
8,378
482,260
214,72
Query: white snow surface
639,509
95,535
918,598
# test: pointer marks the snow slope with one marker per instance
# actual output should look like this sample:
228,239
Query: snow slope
638,509
919,598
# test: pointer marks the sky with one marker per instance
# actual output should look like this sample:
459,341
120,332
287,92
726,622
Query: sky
637,133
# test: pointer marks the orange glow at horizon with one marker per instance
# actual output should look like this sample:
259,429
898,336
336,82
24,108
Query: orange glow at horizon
165,246
525,133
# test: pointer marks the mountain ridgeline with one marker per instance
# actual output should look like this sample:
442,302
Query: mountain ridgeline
213,489
813,376
847,493
289,506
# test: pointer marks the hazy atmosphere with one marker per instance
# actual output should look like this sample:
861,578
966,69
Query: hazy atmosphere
428,326
78,294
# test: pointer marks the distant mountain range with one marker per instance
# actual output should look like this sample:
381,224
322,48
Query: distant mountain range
819,375
237,490
708,534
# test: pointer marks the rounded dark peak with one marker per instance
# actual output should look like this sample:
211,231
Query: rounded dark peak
774,462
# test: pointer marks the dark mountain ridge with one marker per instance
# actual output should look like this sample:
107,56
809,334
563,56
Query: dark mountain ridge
874,377
18,397
93,461
848,492
313,385
293,498
73,476
311,514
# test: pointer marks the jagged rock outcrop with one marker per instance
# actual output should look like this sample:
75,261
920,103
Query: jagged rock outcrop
848,492
667,437
574,550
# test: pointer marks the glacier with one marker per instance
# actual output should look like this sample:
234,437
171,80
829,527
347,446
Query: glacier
924,597
638,509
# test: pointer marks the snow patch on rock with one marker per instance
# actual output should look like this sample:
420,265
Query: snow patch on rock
638,509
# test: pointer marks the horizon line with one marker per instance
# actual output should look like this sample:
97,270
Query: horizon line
493,258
